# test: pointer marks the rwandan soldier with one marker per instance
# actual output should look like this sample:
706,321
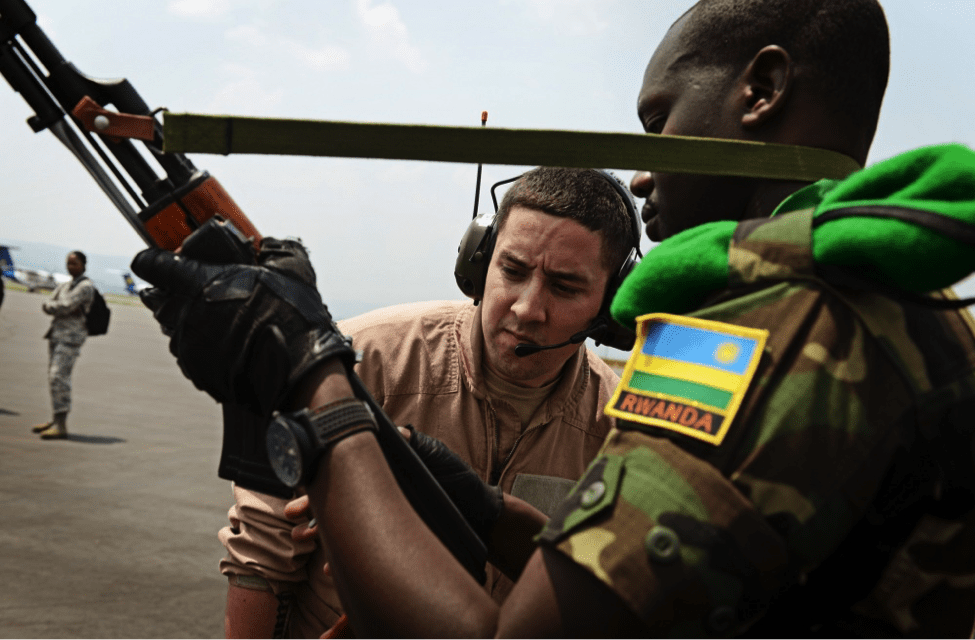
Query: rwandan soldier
794,453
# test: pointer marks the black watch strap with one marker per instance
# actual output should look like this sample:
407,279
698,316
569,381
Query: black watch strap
340,419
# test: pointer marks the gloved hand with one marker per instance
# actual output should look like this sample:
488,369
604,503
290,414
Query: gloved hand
480,503
245,334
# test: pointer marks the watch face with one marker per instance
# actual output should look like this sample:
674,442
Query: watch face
284,451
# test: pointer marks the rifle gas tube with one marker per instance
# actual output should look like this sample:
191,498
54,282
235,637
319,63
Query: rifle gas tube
165,210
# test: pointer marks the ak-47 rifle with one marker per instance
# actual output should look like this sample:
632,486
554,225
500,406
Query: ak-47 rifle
165,210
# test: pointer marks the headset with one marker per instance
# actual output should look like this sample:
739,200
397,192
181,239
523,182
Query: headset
477,246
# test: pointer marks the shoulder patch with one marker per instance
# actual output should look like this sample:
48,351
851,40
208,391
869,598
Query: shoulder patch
687,374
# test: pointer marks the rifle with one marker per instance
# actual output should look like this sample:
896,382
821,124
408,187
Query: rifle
167,209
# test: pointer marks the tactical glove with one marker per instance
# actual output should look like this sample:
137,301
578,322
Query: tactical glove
245,334
480,503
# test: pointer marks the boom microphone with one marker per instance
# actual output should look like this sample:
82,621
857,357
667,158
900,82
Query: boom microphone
523,350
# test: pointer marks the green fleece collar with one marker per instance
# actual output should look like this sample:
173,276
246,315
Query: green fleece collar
681,272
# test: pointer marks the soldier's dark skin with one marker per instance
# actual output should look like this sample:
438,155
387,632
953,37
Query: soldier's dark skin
394,576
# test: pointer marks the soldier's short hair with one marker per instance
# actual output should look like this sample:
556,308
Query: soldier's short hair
843,45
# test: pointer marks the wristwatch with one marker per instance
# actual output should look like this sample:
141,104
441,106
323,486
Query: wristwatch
296,440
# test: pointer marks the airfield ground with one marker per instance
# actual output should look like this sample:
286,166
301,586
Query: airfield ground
111,533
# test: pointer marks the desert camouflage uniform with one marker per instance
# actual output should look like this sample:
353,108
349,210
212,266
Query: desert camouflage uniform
68,304
840,501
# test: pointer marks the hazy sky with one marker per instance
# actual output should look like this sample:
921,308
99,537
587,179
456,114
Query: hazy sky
383,231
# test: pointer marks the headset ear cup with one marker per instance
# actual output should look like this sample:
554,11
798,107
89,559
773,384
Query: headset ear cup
632,260
474,256
629,203
616,335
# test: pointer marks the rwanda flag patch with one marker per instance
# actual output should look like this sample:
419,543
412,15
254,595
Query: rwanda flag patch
687,375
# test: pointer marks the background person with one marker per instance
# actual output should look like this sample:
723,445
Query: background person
69,303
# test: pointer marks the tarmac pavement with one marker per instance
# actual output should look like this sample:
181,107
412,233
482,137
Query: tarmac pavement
111,533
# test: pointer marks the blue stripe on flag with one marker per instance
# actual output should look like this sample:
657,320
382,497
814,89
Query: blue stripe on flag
699,346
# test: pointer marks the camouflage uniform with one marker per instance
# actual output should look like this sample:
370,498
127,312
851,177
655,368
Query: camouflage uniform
68,304
840,500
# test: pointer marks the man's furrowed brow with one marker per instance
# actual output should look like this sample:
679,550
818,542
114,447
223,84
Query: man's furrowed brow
572,277
507,256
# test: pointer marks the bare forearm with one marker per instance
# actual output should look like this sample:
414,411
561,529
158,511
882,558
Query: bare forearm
394,576
250,613
322,385
512,539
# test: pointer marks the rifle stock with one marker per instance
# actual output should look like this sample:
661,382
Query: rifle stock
165,210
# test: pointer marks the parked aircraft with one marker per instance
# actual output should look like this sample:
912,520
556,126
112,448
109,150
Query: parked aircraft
33,279
131,286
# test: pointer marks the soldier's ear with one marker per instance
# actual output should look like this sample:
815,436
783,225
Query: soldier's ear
767,82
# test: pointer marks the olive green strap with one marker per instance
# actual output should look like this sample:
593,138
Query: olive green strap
190,132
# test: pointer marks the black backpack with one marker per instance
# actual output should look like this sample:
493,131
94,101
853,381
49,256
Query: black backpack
96,320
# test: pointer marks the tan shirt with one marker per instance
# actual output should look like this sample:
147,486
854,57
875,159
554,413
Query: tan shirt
525,400
422,362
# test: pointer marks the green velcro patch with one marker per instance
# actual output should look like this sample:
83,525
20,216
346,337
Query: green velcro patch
687,375
591,496
545,493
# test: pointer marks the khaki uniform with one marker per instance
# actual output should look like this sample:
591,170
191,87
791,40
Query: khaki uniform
69,303
422,362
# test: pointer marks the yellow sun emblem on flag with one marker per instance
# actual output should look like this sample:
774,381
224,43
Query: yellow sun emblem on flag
726,352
